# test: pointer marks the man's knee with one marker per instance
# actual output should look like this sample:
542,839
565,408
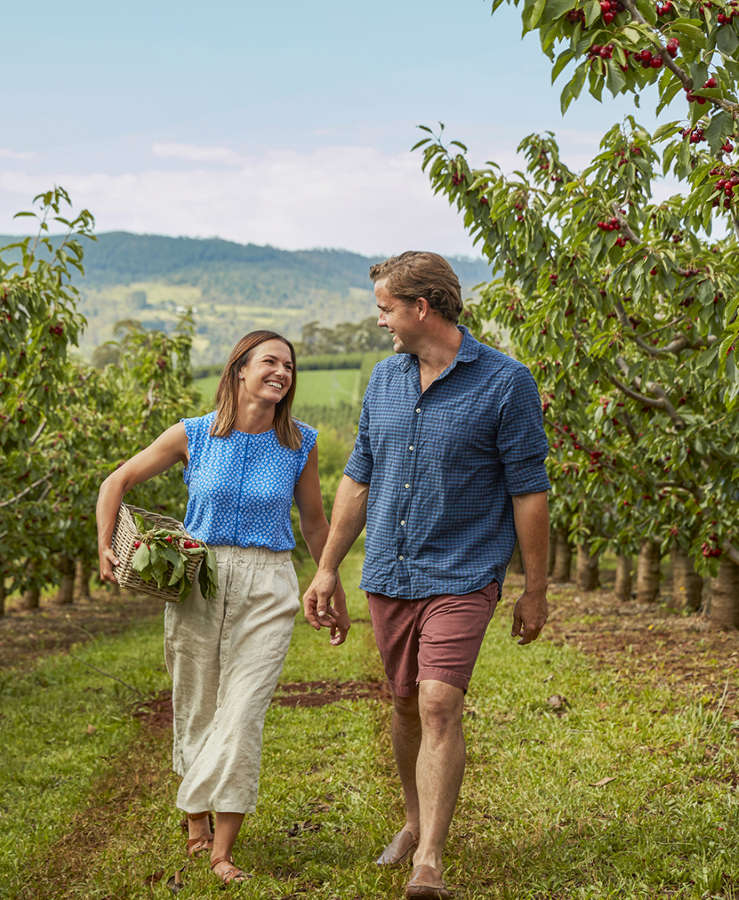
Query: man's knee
440,706
406,707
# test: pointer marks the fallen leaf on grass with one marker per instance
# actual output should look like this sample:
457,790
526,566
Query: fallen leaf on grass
91,729
154,877
558,703
604,781
297,827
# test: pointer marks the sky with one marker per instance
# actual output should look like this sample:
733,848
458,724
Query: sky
287,124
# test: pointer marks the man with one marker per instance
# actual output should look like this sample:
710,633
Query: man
447,470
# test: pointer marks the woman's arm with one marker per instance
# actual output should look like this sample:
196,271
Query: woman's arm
170,447
314,528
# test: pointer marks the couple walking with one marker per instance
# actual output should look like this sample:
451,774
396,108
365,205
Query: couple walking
446,473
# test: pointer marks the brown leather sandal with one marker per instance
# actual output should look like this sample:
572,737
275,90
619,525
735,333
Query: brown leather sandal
195,846
232,873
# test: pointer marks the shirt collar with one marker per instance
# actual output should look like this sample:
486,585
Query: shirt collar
469,349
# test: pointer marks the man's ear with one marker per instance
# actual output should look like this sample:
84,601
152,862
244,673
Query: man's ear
423,308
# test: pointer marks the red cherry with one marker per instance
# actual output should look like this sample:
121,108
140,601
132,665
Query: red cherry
137,544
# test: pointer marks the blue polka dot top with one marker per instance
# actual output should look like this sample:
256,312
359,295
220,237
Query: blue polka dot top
240,487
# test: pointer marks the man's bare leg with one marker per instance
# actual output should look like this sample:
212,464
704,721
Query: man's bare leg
406,732
439,767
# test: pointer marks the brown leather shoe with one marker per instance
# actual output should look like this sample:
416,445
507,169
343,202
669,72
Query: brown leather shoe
426,881
399,850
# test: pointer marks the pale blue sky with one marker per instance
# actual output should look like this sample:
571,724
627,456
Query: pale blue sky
288,124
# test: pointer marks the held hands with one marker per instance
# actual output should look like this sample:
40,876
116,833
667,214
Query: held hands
529,615
318,609
108,560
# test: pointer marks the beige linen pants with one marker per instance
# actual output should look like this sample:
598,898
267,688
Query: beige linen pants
225,656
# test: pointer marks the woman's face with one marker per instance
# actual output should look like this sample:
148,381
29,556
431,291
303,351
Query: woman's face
268,372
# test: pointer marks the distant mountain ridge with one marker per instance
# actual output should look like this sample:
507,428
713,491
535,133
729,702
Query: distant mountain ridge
231,287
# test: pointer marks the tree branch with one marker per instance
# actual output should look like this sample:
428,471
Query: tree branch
37,434
731,551
23,493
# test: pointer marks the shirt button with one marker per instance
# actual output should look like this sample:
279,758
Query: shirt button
401,557
406,485
402,521
418,409
411,447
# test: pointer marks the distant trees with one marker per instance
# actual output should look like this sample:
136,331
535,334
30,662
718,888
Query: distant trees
346,337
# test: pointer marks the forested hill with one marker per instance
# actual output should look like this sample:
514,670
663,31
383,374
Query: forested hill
231,287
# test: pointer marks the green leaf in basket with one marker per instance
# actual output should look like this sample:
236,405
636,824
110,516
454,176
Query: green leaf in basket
159,566
178,571
141,526
208,575
141,558
185,588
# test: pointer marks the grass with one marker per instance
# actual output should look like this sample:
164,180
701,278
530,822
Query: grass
616,790
316,387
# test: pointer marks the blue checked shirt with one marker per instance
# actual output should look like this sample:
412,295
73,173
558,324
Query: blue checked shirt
442,466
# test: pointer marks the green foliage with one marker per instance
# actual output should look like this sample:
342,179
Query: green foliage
627,316
66,424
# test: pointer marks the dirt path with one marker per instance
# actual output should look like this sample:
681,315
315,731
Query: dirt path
27,634
646,640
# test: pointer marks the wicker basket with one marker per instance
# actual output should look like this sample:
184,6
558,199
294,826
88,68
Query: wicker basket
124,535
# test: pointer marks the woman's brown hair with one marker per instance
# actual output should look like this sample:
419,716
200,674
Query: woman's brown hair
288,433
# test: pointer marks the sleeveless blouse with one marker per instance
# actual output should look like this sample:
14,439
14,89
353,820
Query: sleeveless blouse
240,487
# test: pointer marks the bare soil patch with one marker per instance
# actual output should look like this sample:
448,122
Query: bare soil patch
321,693
26,634
646,640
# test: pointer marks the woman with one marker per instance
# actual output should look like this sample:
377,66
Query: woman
244,463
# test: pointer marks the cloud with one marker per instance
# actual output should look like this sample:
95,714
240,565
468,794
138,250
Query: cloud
353,197
5,153
194,153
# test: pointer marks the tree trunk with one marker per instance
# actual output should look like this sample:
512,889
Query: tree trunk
587,568
30,598
687,586
562,556
647,572
724,612
516,563
622,588
65,594
84,573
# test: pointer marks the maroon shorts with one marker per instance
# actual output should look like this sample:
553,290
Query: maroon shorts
433,638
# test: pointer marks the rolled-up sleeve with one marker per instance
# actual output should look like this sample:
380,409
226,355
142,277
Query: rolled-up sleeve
521,441
359,464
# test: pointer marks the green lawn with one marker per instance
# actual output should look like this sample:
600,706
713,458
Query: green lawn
316,387
616,791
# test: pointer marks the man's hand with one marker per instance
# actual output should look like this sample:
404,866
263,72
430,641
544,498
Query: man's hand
529,615
318,609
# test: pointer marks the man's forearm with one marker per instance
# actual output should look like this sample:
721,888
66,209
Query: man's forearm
348,518
531,518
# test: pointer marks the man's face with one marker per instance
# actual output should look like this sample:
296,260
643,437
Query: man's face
399,317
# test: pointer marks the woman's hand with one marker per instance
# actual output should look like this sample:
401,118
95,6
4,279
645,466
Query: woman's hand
108,560
340,621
